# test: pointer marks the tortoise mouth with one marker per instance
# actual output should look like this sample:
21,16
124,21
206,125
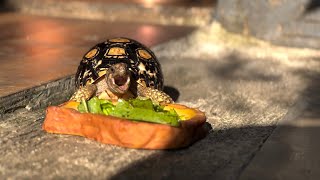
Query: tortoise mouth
120,84
120,80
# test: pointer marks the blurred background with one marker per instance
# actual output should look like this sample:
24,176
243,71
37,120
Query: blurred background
50,36
54,34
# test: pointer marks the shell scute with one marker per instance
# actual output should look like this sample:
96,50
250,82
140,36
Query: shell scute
141,61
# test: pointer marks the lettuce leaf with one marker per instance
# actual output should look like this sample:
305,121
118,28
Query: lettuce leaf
133,109
94,106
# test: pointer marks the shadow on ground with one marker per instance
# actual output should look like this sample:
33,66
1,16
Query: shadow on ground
312,93
212,162
291,152
172,92
313,5
237,68
216,156
5,6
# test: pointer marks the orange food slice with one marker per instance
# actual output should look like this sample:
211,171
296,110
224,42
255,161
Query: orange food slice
65,119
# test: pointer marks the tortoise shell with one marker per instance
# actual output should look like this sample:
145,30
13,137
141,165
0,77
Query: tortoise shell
141,61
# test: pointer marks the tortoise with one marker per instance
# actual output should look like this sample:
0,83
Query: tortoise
120,68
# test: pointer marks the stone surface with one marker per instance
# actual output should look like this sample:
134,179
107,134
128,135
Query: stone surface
50,93
245,87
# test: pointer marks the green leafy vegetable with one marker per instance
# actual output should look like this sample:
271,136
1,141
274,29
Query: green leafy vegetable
133,109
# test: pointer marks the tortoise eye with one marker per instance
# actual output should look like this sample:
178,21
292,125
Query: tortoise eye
112,70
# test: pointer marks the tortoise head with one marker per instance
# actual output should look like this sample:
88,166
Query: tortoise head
118,78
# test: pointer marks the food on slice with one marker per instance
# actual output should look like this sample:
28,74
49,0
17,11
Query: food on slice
134,123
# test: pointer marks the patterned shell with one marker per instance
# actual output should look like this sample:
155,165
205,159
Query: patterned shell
141,61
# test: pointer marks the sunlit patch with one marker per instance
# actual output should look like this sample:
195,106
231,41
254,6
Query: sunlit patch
144,54
91,54
123,40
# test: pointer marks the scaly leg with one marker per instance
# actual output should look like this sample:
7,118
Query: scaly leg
154,94
83,94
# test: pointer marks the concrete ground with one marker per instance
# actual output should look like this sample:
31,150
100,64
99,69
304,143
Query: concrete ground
260,101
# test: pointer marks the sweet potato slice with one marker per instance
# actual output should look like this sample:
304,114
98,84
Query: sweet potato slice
123,132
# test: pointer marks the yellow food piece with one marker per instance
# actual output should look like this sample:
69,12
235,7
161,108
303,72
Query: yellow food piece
71,104
184,112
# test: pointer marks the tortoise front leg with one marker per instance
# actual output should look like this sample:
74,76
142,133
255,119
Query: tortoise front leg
154,94
83,94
